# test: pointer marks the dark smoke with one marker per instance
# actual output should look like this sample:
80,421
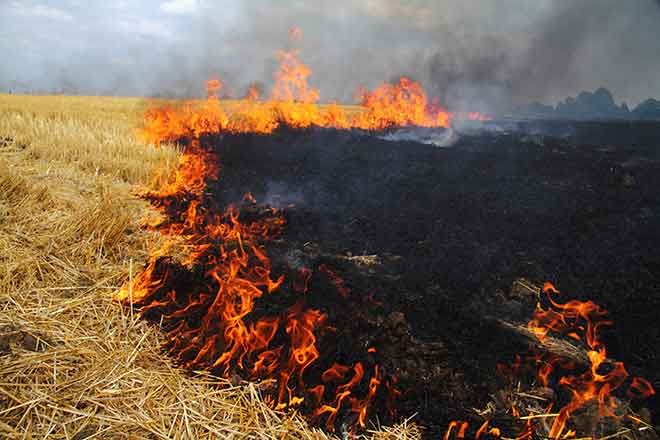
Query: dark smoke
574,46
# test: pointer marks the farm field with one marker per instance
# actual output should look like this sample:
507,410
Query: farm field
74,364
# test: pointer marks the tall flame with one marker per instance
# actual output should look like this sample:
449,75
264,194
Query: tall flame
291,80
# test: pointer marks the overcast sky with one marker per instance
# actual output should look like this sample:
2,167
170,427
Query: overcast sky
481,52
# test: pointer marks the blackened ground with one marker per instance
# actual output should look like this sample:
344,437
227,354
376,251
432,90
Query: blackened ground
452,229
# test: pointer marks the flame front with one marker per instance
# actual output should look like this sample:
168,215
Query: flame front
209,312
293,103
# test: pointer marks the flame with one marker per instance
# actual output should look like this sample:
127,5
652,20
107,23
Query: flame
207,303
582,322
398,105
210,322
461,427
390,106
295,33
252,93
213,86
292,103
210,319
291,80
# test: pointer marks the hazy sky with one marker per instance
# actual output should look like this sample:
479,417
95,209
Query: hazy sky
491,53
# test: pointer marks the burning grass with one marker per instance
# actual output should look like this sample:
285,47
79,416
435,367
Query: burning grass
73,364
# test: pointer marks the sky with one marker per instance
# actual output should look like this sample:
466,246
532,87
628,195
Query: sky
490,54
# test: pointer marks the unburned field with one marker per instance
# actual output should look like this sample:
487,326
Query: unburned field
73,363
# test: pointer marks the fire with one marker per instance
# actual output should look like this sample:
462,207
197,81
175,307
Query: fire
252,93
399,105
213,86
209,312
291,80
582,322
292,103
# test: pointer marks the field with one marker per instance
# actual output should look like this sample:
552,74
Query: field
73,363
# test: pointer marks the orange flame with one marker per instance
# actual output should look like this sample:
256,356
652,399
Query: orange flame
252,93
581,321
292,103
213,86
210,322
291,80
295,33
398,105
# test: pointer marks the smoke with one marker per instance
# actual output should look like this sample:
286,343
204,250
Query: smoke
564,49
479,55
473,55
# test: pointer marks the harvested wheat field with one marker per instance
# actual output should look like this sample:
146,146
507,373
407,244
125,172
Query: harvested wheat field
75,364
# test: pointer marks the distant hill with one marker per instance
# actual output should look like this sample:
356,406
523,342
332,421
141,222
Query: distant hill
647,110
597,105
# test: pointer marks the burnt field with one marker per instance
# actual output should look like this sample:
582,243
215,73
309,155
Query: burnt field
419,246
